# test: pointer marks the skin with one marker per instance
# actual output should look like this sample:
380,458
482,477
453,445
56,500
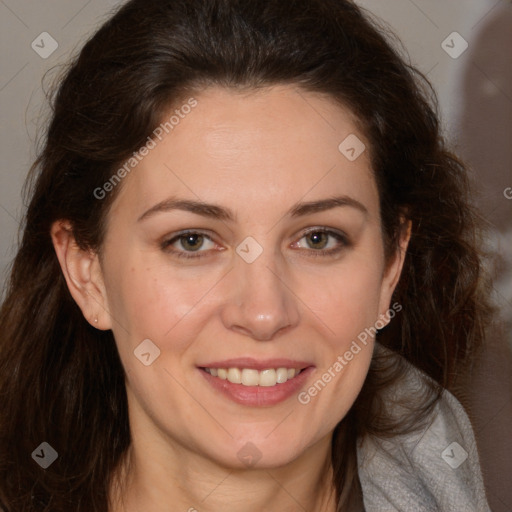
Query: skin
257,154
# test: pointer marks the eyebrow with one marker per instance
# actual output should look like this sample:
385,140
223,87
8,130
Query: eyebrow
225,214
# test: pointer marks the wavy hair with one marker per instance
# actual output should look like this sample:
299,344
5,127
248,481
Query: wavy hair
61,380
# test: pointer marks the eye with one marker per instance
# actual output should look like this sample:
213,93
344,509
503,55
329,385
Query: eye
185,244
323,242
319,241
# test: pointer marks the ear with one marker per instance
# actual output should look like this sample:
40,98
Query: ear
83,274
393,270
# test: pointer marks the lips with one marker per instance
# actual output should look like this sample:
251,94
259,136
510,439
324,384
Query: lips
251,377
254,382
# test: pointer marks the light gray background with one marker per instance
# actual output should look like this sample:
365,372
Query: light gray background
475,93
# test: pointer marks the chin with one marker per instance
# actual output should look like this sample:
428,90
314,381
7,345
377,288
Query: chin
258,451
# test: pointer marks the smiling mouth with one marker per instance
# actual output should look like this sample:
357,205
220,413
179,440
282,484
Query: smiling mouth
253,378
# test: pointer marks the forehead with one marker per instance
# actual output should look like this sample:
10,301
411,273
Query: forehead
253,150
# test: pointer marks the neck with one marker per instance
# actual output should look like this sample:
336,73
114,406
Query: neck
176,479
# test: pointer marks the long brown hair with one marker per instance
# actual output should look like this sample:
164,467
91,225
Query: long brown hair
61,381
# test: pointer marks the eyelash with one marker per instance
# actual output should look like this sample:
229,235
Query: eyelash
341,238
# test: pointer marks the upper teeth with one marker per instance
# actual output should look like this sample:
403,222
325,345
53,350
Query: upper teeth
251,377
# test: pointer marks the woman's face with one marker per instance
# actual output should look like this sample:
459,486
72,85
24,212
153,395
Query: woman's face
275,276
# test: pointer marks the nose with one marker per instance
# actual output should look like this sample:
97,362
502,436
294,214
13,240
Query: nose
260,303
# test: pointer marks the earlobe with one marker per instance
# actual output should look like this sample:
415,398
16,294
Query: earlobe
82,271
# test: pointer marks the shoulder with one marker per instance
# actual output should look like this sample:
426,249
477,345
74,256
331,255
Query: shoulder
435,468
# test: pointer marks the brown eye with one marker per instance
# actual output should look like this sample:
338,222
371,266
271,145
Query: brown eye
191,241
323,242
184,245
319,239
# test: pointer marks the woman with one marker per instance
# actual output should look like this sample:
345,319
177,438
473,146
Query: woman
248,275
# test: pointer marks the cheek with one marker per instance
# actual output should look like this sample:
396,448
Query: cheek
149,298
346,306
346,299
347,309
